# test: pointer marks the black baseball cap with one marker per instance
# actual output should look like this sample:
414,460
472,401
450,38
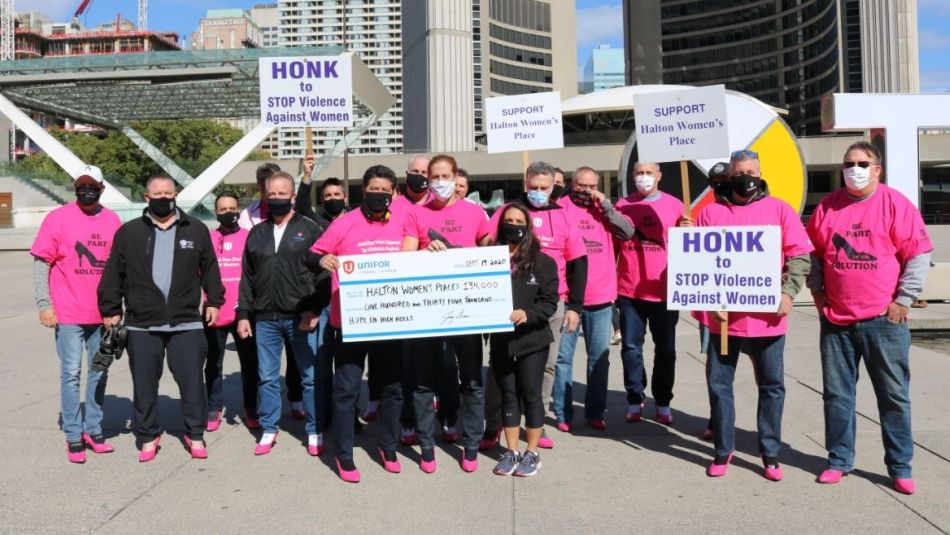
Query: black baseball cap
721,169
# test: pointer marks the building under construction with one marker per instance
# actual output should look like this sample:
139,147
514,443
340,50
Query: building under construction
37,37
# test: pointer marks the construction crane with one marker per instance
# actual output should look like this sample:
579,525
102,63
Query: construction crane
143,12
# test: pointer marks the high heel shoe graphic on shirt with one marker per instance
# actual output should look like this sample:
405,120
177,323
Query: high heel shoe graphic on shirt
83,252
849,251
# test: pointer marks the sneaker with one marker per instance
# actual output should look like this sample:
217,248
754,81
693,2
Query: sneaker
390,461
904,485
427,461
315,445
76,452
634,413
449,434
296,410
469,460
489,439
214,420
599,425
719,467
372,411
529,464
564,427
773,470
267,443
97,442
507,463
545,442
830,476
615,339
407,436
664,416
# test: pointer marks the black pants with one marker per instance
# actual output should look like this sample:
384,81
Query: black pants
426,354
408,415
447,386
217,338
292,377
186,357
349,360
519,380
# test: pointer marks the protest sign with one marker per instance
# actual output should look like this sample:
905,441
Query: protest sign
730,269
524,122
307,91
424,294
683,124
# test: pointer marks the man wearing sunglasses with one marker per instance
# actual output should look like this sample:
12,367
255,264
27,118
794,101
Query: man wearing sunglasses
872,253
744,201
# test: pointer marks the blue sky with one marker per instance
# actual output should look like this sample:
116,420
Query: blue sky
598,21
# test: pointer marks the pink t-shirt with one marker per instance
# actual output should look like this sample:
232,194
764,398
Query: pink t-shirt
795,242
461,223
594,231
229,248
76,246
557,239
353,234
862,246
642,261
403,203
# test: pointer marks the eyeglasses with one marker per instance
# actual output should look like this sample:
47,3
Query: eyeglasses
744,153
862,165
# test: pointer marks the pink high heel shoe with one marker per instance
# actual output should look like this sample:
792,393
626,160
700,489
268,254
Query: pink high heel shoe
148,455
196,452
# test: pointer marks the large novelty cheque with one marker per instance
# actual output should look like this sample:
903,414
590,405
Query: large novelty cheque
425,294
731,269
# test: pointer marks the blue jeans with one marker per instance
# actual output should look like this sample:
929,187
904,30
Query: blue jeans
767,354
271,336
885,347
635,316
323,374
598,328
70,340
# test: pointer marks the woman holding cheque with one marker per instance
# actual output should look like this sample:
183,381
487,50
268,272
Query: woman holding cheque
518,357
370,229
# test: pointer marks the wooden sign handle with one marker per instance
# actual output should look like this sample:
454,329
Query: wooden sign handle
308,135
724,335
525,160
684,178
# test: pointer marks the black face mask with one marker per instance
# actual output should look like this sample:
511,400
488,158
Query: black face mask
557,192
87,195
334,207
279,207
745,185
161,207
417,183
582,198
228,220
513,233
376,202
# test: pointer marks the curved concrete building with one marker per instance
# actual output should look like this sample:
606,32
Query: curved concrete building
786,53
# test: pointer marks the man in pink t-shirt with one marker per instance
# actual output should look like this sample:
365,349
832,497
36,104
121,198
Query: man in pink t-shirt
69,254
641,289
561,242
746,202
872,254
595,220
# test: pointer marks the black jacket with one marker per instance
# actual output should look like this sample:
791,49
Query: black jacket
279,284
535,293
128,274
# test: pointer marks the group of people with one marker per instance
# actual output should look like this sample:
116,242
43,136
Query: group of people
267,276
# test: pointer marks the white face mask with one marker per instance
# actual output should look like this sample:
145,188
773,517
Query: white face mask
644,183
443,189
857,178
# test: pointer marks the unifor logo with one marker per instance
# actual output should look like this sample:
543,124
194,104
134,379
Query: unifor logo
228,246
186,244
538,222
349,266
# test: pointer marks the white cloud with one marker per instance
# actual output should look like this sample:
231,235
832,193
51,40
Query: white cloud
600,24
931,40
54,9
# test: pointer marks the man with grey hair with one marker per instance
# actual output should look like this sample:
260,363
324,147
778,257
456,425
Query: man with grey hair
159,265
559,241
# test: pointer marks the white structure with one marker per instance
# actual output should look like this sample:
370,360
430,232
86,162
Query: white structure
889,46
374,33
437,44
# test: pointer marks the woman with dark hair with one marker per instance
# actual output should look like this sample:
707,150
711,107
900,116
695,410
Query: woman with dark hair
518,357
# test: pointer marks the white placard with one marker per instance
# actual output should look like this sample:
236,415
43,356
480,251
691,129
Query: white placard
734,269
307,91
524,122
684,124
423,294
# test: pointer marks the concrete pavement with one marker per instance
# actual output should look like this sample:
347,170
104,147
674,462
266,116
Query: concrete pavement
642,477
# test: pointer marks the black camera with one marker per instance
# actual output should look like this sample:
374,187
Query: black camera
111,347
